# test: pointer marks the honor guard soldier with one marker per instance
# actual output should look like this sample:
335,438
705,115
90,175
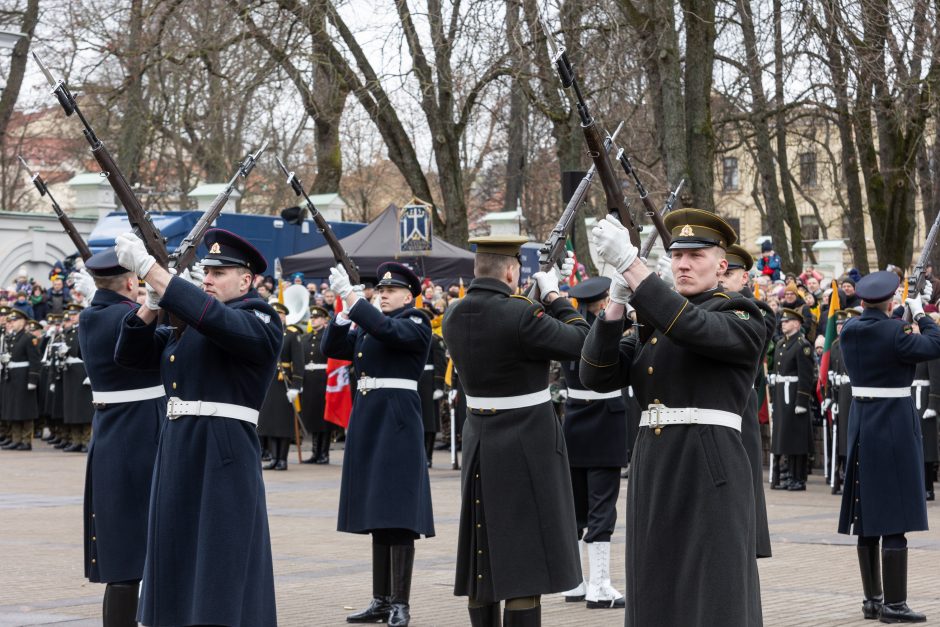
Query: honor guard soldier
385,488
840,398
737,279
691,530
595,429
431,385
5,425
129,408
794,380
50,402
76,386
209,548
925,390
276,422
314,388
518,535
883,496
19,381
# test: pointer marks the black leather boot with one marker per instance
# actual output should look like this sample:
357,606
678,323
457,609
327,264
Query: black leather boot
119,608
323,448
314,450
531,617
869,565
894,569
403,562
486,616
379,608
429,447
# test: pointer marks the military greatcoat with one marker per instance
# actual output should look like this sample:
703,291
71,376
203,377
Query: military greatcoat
750,435
884,479
518,535
385,482
123,446
926,394
76,400
690,501
314,395
840,392
277,414
794,379
209,549
19,403
432,380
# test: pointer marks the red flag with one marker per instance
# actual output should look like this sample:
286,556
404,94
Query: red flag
338,404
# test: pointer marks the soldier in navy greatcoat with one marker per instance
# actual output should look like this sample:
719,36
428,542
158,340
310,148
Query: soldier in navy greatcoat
209,547
595,429
691,556
385,489
883,496
314,388
518,533
276,421
129,408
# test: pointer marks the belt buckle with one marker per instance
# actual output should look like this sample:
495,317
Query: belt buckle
171,403
368,383
655,415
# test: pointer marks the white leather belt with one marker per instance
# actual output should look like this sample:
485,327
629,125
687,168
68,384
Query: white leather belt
429,366
367,384
500,403
881,392
661,416
18,364
786,381
919,384
74,360
590,395
315,367
127,396
176,407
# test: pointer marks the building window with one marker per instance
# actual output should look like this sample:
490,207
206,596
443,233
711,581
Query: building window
808,169
729,176
809,228
736,225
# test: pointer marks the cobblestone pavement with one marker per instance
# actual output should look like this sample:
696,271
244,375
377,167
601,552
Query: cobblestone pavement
322,575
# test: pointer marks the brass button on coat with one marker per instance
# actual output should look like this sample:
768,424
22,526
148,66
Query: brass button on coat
649,370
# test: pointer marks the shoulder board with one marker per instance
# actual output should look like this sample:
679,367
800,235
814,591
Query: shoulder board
522,297
293,329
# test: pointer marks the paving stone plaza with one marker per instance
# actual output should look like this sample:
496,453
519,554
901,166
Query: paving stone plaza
322,575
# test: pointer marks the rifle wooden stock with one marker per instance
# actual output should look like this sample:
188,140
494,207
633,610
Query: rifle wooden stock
69,228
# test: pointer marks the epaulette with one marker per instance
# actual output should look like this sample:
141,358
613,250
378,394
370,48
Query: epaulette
293,329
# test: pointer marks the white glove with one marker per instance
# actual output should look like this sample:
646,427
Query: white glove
799,410
547,282
620,292
132,254
30,386
194,275
613,244
930,413
62,350
825,404
664,268
567,268
339,281
915,306
84,283
153,298
835,408
438,395
52,387
926,293
292,395
86,382
359,291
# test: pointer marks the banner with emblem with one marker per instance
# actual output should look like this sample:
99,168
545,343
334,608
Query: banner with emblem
415,227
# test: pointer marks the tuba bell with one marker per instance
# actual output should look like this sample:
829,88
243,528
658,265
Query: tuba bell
297,301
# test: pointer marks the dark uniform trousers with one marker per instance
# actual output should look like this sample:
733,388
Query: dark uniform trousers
794,379
691,556
19,404
515,466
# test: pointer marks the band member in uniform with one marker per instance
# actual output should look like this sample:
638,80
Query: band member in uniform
691,530
595,429
19,381
129,407
515,464
276,421
737,279
76,386
793,385
925,390
840,397
431,386
385,489
883,496
314,395
209,548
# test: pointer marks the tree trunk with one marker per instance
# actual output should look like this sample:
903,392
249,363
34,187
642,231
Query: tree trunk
330,95
516,148
11,91
700,134
135,130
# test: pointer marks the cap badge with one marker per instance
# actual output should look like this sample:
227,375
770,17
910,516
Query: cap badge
686,231
216,249
387,275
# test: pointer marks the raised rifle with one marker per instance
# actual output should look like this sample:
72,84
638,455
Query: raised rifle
616,204
339,253
185,253
651,212
553,250
66,222
139,219
667,207
919,275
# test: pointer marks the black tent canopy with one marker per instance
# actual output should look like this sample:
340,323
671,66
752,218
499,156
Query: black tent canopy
378,242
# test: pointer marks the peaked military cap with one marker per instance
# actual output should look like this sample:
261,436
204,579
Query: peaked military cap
316,311
51,317
280,308
74,308
696,228
226,249
738,258
877,287
507,245
105,263
32,325
842,315
590,290
16,314
853,312
4,310
394,274
791,314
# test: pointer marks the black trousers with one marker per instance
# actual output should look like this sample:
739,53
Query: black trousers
595,502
